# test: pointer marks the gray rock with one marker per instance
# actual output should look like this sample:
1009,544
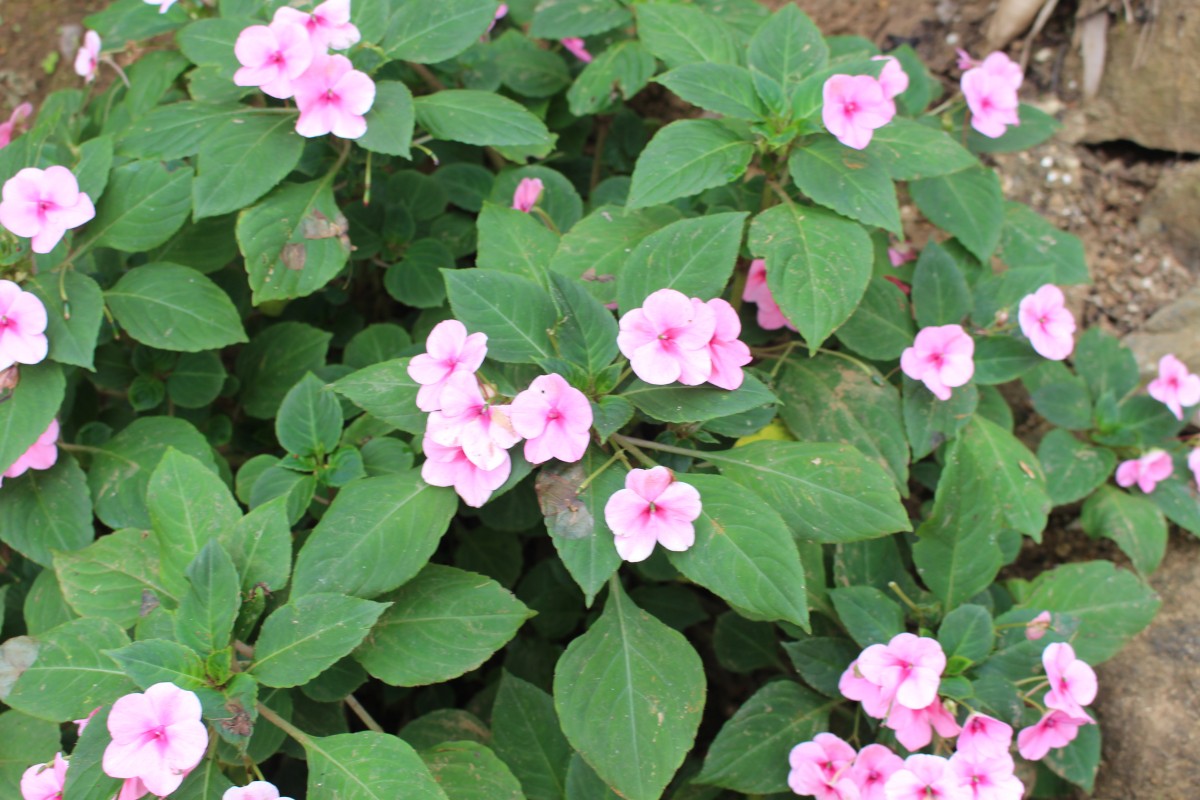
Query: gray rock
1173,211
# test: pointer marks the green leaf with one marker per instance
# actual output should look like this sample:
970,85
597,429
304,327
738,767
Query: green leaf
560,200
142,207
385,391
514,242
528,69
302,639
1065,403
621,71
743,645
95,161
687,156
416,280
1036,126
750,752
968,204
1000,359
309,422
445,725
678,403
71,326
471,771
559,19
1073,469
693,256
260,545
86,779
189,507
869,615
587,335
726,89
821,661
910,151
685,35
527,737
851,182
584,784
45,510
429,31
515,313
390,120
30,408
24,740
818,266
197,379
967,632
480,118
441,624
159,660
1014,481
205,782
1105,364
210,42
1029,240
243,159
929,421
1134,523
1178,501
377,534
207,612
589,553
786,48
113,577
629,694
367,766
940,293
174,308
744,553
1079,761
177,130
274,361
882,325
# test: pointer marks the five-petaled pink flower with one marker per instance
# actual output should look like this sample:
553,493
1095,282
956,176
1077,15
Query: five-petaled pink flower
871,770
449,466
156,736
333,97
942,357
577,48
42,454
163,5
821,768
470,420
554,417
1146,472
924,778
1056,729
256,790
991,92
854,106
1175,387
986,776
909,668
8,130
45,781
1072,680
984,735
853,686
272,57
22,326
1046,321
43,205
652,508
528,192
1036,628
914,727
328,25
87,60
449,349
893,78
770,317
1193,462
666,340
727,353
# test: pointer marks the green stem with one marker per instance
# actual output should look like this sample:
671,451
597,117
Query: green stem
545,218
627,443
1034,679
283,725
588,480
631,444
362,713
80,448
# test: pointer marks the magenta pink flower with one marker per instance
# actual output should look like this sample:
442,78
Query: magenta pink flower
576,46
908,667
985,736
1046,321
1056,729
256,790
871,770
22,326
529,190
81,724
770,317
1193,462
42,454
821,768
1072,680
924,778
449,466
87,60
914,728
854,106
45,781
652,508
554,417
469,420
272,57
43,205
965,61
901,254
8,130
333,97
853,686
163,7
1146,472
727,353
986,776
893,79
666,340
1175,387
328,25
991,92
156,736
501,13
942,357
1036,628
449,350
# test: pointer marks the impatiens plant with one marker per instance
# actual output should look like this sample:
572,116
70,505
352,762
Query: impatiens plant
389,408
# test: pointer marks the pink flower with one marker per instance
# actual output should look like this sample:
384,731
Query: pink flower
854,106
81,724
8,129
87,60
448,350
272,57
156,736
854,686
1056,729
914,728
332,97
901,254
257,790
577,48
449,466
328,25
42,454
991,92
653,507
1036,628
43,205
893,79
942,357
132,789
667,339
501,13
899,284
1047,323
871,770
1194,465
45,781
770,317
923,778
1146,472
908,667
984,735
986,776
22,326
529,190
554,417
163,7
1072,680
965,61
821,768
727,353
1175,387
469,420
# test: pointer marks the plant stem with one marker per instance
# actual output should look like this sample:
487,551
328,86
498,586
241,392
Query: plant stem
79,448
283,725
631,444
602,125
362,713
633,448
588,480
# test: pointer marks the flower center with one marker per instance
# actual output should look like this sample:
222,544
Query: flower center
850,107
277,57
553,415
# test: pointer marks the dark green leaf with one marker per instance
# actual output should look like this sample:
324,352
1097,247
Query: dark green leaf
692,256
677,403
687,156
685,35
968,204
515,313
1134,523
174,308
870,616
47,510
304,638
851,182
309,422
528,739
1073,469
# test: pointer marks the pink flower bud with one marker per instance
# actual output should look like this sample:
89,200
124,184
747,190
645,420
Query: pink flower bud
1036,628
527,194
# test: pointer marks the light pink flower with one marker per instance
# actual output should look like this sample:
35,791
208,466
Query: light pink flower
43,205
81,724
727,353
914,728
1175,387
22,326
893,79
908,667
42,454
986,776
922,778
501,13
554,417
984,735
328,25
1194,465
991,92
333,97
652,508
667,339
854,686
770,317
854,106
272,57
821,768
132,789
965,61
529,190
901,254
942,357
576,46
449,466
45,781
449,350
1046,321
1056,729
871,770
256,790
1146,472
156,736
87,60
471,421
1036,628
8,130
163,7
1072,680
